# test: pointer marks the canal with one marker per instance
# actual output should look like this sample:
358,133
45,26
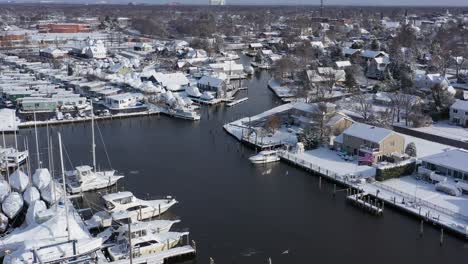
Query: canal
241,213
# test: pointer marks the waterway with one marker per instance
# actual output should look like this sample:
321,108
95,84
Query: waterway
241,213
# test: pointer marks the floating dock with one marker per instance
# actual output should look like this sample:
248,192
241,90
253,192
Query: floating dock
178,253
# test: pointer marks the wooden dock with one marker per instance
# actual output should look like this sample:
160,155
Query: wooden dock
236,102
363,200
159,258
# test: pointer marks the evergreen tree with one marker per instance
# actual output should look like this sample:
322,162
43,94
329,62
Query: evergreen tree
411,149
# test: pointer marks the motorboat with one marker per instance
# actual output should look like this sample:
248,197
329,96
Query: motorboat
122,206
265,156
207,96
13,158
155,226
143,241
84,179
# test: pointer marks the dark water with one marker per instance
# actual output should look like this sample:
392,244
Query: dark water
240,213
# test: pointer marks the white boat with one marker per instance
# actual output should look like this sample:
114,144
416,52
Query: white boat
155,226
249,70
207,96
144,241
193,91
12,205
84,179
19,181
12,157
122,206
265,156
87,178
3,223
184,113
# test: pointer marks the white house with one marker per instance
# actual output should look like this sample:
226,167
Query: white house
176,81
448,163
124,101
90,48
459,113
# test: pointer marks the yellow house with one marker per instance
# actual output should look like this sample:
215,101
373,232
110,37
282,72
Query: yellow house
369,141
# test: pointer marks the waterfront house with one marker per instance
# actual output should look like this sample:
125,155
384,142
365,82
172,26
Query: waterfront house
125,103
175,81
365,140
459,113
452,163
230,68
213,84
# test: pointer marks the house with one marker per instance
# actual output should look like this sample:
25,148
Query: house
376,67
324,76
452,163
90,48
125,102
176,81
232,69
52,53
459,113
369,141
213,84
425,81
342,64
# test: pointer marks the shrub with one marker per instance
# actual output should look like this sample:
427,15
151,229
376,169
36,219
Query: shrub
396,171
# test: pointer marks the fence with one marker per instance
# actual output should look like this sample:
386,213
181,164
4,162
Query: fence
421,202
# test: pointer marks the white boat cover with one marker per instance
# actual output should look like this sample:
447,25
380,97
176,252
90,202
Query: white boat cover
19,181
207,96
52,231
3,223
31,194
12,204
41,178
50,194
4,190
34,208
193,91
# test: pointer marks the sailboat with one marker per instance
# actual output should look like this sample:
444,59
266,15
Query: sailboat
55,235
87,178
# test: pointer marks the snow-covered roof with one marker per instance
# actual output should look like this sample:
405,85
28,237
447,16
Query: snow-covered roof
171,80
342,64
349,51
372,53
256,45
211,81
367,132
460,105
455,159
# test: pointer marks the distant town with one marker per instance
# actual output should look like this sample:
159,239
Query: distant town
371,100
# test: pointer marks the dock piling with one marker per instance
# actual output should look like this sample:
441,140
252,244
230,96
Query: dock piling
421,228
441,236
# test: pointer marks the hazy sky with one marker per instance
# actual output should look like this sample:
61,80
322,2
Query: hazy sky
334,2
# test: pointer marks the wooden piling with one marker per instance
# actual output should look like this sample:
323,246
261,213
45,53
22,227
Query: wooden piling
421,228
441,236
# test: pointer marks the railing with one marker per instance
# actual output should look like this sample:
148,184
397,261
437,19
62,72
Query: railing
421,202
308,165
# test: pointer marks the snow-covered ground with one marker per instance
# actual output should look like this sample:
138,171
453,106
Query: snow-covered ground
445,129
426,191
330,161
425,147
279,90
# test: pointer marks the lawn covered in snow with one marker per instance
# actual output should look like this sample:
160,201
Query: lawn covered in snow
445,129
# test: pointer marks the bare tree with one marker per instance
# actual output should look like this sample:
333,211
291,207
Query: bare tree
364,106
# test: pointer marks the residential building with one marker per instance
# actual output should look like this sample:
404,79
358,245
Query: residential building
213,84
459,113
451,163
53,53
125,102
362,140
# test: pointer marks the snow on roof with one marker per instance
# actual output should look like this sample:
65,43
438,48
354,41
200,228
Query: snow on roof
175,79
256,45
211,81
455,159
460,105
367,132
372,53
349,51
341,64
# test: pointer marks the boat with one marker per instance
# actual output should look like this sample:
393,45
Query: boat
122,206
193,91
184,113
249,70
265,156
12,205
86,178
19,181
155,226
143,241
207,96
12,157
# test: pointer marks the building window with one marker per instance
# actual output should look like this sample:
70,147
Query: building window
392,143
455,111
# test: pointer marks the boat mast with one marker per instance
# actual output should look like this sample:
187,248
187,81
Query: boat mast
64,197
93,140
37,142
